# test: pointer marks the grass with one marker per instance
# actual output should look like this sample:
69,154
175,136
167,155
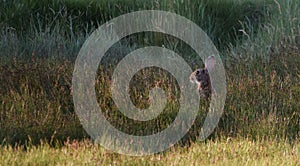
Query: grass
39,42
220,152
43,19
46,101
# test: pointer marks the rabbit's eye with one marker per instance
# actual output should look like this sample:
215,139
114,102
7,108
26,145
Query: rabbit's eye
197,72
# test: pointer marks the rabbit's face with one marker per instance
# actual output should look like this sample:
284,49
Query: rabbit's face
201,77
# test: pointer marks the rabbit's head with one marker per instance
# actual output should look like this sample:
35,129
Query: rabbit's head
201,77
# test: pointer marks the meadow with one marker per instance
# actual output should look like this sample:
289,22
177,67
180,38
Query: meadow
259,44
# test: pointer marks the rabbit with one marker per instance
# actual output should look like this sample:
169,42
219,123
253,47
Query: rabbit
202,79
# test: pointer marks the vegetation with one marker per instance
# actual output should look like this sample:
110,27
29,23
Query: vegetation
39,42
221,152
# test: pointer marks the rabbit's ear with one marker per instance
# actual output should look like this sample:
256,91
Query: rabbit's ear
210,62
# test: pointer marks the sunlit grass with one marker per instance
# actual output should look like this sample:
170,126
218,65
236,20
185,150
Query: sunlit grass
218,152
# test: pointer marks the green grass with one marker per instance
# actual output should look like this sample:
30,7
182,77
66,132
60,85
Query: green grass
220,19
219,152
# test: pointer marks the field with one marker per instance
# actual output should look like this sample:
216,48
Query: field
259,44
221,152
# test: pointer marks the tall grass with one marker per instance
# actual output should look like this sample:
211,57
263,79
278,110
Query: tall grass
40,40
70,19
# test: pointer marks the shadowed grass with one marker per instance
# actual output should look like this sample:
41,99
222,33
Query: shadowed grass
263,102
39,42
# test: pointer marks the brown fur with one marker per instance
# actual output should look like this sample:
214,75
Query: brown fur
202,79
